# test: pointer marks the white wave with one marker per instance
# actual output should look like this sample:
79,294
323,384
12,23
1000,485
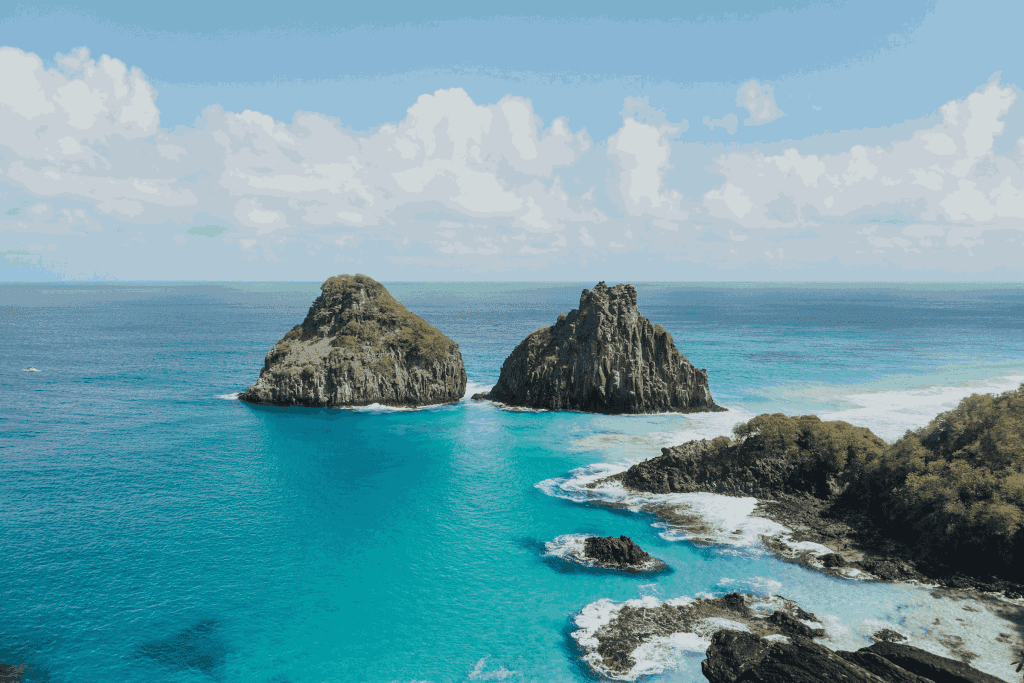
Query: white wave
659,653
890,413
31,369
475,388
715,519
479,672
570,548
230,397
625,447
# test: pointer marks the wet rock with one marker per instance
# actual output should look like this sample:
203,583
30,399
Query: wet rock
735,657
887,635
612,633
833,560
927,665
603,357
359,346
620,553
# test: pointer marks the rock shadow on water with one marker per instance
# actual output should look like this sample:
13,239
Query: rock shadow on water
199,647
574,654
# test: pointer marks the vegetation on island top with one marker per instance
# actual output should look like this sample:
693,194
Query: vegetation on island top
380,320
952,491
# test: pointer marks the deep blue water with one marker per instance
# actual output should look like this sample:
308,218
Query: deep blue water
154,530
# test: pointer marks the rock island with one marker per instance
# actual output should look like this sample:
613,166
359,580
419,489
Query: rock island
603,357
359,346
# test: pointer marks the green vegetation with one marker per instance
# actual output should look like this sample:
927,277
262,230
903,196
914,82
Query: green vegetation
380,319
952,491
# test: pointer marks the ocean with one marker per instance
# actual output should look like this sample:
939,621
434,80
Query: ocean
154,528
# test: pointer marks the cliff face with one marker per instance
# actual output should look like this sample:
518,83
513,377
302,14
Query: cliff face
604,357
358,346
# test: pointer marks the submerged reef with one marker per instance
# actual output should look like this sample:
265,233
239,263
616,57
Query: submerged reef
603,357
359,346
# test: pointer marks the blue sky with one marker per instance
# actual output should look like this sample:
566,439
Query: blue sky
723,141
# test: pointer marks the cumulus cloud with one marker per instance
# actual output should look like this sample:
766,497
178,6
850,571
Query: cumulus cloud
640,150
89,130
730,122
82,144
759,100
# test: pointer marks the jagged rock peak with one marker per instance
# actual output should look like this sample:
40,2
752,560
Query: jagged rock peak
604,357
358,346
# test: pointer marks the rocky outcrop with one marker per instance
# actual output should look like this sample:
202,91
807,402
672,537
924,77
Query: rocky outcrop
359,346
619,553
615,637
740,657
604,357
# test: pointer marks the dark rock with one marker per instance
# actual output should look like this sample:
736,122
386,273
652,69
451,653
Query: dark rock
833,560
927,665
358,346
609,648
603,357
882,667
619,553
12,673
788,626
736,657
887,635
890,568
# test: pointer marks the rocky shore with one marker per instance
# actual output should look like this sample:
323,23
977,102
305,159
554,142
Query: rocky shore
359,346
603,357
750,639
736,656
803,495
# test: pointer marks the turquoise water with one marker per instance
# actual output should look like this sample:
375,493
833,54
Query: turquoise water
155,530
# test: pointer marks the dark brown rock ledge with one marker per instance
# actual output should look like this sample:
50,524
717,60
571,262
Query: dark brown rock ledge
359,346
604,357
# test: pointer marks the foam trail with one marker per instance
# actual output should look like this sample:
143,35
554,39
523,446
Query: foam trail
230,397
891,413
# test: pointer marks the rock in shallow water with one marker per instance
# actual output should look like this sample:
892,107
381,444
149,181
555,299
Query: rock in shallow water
604,357
359,346
620,553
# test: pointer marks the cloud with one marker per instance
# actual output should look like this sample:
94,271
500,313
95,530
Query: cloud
759,100
455,182
730,122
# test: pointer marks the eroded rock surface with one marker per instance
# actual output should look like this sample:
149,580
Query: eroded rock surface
743,657
359,346
603,357
618,638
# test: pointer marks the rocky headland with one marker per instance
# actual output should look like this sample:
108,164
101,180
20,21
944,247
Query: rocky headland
603,357
359,346
942,504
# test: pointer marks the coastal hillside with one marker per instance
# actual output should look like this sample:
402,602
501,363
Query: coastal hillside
603,357
950,494
359,346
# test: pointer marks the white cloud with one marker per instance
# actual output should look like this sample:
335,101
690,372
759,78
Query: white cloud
729,122
81,141
759,100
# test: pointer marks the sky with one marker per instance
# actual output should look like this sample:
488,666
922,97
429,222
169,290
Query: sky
725,141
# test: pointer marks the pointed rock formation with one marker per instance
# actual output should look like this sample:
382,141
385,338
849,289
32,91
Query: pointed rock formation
359,346
604,357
